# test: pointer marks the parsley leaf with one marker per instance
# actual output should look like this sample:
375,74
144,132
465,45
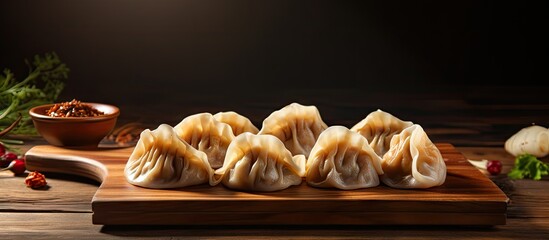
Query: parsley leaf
43,84
528,166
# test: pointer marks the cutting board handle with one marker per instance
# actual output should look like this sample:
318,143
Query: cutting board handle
93,164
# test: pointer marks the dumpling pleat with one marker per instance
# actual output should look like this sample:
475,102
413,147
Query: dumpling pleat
297,126
239,124
206,134
343,159
378,128
162,160
259,163
413,161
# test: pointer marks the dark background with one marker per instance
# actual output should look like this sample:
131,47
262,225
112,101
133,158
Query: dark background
457,64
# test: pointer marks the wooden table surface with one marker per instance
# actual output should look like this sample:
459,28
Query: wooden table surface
64,210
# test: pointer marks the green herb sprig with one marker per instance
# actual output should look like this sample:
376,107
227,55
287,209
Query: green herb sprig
43,84
528,166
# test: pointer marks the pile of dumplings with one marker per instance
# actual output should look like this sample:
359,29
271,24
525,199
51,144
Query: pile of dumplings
293,145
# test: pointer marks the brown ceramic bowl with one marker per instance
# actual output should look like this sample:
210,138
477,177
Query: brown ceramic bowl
75,131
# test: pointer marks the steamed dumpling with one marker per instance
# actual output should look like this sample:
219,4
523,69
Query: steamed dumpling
297,126
206,134
162,160
260,163
239,124
378,128
413,161
343,159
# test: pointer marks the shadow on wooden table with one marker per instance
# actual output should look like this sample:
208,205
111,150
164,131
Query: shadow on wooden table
72,178
332,231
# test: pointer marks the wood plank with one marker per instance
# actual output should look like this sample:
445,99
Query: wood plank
64,193
466,193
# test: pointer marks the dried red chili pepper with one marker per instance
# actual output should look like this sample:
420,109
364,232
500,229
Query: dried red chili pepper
35,180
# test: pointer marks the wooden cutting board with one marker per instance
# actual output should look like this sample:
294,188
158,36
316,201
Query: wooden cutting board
467,197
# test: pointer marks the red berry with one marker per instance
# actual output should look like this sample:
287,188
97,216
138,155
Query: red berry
2,149
10,156
6,159
493,167
18,167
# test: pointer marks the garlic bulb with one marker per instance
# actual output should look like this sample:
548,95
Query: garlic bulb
533,140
